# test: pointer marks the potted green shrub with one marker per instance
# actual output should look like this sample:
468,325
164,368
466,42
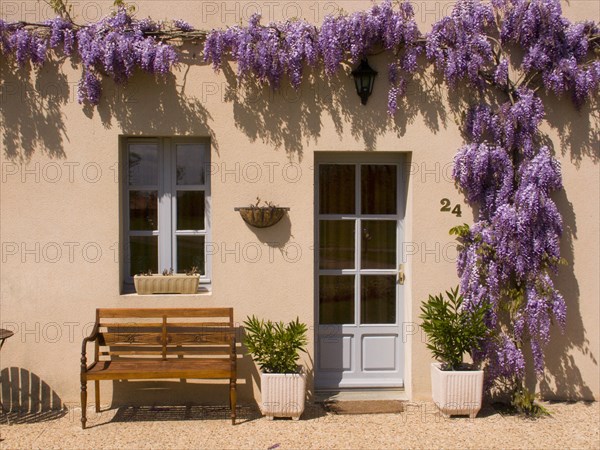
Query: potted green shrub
276,348
452,331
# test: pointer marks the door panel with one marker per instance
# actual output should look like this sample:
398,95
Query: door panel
336,353
359,216
379,352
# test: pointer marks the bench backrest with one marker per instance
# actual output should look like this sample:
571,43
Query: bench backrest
163,333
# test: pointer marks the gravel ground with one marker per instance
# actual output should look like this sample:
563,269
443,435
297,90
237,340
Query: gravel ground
571,425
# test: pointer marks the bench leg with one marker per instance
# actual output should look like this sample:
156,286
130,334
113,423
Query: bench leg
83,403
97,392
232,400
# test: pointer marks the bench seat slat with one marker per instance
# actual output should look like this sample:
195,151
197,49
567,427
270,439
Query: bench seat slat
200,368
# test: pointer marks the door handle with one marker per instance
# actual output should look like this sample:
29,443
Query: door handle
401,274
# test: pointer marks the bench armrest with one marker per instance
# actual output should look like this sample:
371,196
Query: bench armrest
91,338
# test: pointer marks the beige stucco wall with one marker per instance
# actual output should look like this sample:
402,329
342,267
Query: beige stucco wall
60,190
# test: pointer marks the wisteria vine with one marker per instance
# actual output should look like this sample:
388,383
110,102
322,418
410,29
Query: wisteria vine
509,253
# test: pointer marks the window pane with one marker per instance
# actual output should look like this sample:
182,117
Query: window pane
336,244
336,189
143,251
190,253
378,189
143,165
378,299
190,164
378,244
143,210
336,299
190,210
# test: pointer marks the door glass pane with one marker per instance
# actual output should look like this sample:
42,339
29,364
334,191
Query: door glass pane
336,299
336,189
143,165
190,164
336,244
190,210
143,251
190,253
378,189
378,299
378,244
143,210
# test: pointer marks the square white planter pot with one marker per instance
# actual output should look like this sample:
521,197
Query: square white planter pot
283,394
457,392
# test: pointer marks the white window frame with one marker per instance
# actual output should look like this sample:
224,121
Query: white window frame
167,202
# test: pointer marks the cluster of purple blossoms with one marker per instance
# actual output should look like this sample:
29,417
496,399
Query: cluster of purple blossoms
516,239
552,45
115,46
507,174
266,52
459,45
26,45
118,45
270,52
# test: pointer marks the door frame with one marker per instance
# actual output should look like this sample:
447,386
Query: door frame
363,157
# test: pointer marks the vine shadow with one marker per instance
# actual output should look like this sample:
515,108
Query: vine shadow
292,119
155,106
562,378
31,116
578,129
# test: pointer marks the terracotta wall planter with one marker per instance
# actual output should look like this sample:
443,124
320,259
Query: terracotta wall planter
171,284
262,216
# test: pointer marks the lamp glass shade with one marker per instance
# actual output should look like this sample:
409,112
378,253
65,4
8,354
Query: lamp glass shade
364,80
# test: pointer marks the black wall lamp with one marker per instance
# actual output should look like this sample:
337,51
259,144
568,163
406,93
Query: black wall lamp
364,79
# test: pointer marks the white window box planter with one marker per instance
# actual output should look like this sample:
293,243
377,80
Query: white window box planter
457,392
283,394
171,284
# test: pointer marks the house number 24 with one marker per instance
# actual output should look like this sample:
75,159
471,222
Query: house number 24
447,207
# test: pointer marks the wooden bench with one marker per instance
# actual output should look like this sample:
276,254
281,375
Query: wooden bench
157,343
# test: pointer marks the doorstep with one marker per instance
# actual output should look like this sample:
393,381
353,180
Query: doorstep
359,394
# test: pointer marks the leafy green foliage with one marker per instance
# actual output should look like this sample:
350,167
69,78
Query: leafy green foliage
523,401
275,346
451,330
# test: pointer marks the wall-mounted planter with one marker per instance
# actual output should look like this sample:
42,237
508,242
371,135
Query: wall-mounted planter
261,216
160,284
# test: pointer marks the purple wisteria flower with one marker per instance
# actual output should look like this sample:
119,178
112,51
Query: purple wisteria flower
115,46
270,52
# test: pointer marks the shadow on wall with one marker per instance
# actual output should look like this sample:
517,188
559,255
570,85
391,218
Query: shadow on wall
579,131
289,119
563,378
26,398
35,119
149,106
32,116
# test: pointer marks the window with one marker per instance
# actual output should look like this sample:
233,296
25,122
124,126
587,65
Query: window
166,205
